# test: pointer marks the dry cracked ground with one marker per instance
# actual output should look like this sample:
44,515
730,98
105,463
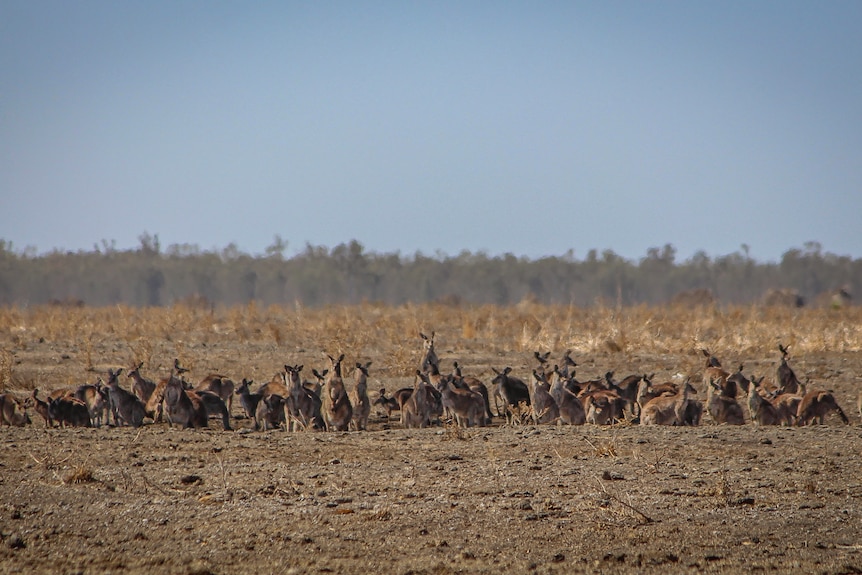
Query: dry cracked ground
519,499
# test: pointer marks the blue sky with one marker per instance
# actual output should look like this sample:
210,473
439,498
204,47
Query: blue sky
529,128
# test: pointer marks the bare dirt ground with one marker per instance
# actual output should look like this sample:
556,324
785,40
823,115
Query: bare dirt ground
520,499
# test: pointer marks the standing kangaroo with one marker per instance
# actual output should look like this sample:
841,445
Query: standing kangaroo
545,409
180,407
98,402
40,407
302,406
220,385
142,387
430,356
785,376
247,399
761,410
362,407
338,410
126,408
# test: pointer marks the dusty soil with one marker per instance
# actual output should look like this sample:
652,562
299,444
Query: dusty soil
521,499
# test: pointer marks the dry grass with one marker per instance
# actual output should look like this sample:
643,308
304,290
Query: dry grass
123,336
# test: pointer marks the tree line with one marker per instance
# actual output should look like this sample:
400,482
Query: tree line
149,275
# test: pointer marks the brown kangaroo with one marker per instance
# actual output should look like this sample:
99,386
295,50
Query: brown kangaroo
142,387
97,399
668,409
338,411
816,405
302,406
430,356
270,412
473,384
40,407
362,409
247,399
220,385
13,412
511,390
724,409
570,407
126,408
545,409
389,404
417,410
785,376
68,410
183,408
760,409
466,407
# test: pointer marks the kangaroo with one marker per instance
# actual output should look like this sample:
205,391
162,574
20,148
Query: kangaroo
142,387
214,406
220,385
466,407
647,391
270,412
816,405
511,390
739,380
276,385
715,378
339,410
316,386
668,409
68,410
417,410
126,408
785,377
388,404
430,356
787,404
247,399
724,409
362,407
627,389
13,412
761,410
602,406
545,409
474,384
182,408
155,406
40,407
98,402
598,408
303,406
570,407
62,392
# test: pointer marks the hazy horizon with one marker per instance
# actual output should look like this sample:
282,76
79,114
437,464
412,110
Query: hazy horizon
433,127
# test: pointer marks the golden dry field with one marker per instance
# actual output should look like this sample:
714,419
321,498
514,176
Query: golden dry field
513,498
